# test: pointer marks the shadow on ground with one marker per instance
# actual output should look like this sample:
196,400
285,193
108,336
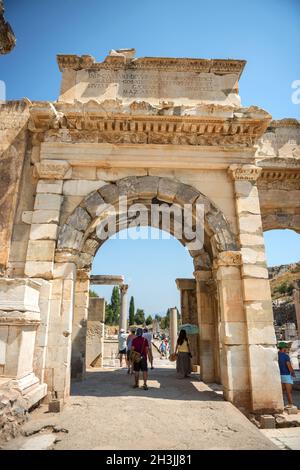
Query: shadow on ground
162,383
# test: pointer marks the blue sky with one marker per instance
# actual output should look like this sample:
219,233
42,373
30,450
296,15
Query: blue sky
264,32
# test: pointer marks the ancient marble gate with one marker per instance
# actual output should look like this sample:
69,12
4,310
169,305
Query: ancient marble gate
152,129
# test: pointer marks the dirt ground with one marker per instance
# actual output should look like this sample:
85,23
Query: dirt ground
105,412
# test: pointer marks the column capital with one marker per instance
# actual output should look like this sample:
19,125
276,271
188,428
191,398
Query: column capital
124,288
228,258
244,172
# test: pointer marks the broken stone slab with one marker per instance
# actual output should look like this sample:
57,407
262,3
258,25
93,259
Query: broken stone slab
55,406
291,410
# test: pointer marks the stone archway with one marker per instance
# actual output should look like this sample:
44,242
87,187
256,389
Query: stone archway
78,242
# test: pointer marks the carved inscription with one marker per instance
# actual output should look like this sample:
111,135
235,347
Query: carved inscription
156,84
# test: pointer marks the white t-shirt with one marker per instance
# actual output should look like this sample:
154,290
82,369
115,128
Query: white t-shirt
122,341
148,337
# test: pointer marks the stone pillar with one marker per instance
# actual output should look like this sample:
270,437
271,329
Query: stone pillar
264,378
58,360
19,320
95,332
173,329
123,309
79,327
297,305
207,324
189,314
234,361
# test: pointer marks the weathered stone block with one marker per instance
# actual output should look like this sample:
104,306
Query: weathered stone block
261,333
51,187
253,255
40,250
186,195
64,271
256,289
233,333
45,216
80,219
259,311
167,189
267,422
43,231
55,406
41,269
148,186
93,203
48,202
248,204
110,193
250,224
81,187
250,270
245,188
53,169
69,237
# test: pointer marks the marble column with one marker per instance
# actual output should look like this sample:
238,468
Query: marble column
173,329
123,309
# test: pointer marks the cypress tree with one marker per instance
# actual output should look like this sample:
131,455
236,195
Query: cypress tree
115,305
131,311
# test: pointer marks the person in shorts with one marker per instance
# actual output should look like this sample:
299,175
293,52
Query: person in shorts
122,337
129,340
140,344
286,371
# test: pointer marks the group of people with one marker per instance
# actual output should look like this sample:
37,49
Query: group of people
136,347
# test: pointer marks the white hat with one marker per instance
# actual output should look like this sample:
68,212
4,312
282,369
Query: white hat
122,331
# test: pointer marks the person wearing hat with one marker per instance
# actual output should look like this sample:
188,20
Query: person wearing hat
286,371
122,337
140,345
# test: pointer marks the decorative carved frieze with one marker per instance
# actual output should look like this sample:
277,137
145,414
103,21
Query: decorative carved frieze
89,123
244,172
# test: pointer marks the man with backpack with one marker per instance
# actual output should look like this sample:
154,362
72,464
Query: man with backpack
139,348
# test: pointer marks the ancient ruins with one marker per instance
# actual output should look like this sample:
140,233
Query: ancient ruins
152,129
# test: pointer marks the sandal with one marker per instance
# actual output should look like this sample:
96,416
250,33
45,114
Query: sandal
145,387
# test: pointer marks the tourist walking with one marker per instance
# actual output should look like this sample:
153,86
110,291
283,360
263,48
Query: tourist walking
140,346
148,335
130,337
122,337
183,361
286,371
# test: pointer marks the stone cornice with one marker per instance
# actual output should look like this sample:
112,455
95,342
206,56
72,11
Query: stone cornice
79,122
286,122
217,66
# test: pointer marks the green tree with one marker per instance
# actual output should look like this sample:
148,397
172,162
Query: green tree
149,320
108,314
139,317
115,305
131,311
92,293
158,317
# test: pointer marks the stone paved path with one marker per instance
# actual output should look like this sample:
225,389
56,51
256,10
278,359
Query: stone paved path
105,412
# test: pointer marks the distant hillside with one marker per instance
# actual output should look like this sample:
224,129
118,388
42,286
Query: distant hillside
281,281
